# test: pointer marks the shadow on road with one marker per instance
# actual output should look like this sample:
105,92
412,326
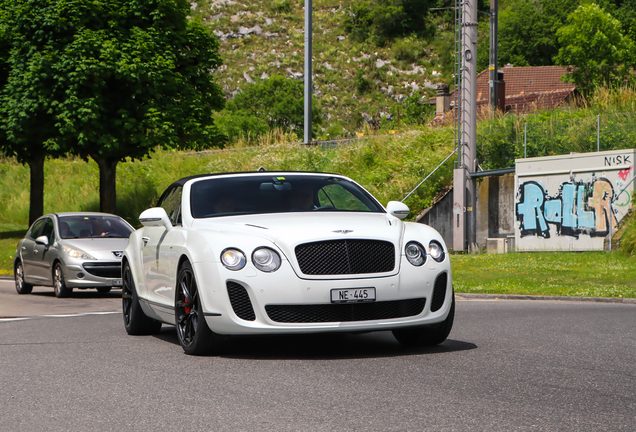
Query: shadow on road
327,346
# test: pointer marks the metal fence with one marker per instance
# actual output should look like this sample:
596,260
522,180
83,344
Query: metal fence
502,142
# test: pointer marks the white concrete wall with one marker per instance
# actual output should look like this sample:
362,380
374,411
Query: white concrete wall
571,202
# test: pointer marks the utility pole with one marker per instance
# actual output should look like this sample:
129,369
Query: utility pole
308,84
494,78
464,199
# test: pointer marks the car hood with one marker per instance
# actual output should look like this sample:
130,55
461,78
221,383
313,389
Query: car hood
100,248
287,230
299,228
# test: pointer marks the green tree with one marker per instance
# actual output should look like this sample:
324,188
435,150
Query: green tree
123,77
595,49
527,31
26,122
277,101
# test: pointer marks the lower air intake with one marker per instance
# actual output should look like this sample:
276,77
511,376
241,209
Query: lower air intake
240,301
345,312
439,292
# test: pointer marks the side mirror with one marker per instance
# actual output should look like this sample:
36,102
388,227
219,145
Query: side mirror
155,217
42,240
398,209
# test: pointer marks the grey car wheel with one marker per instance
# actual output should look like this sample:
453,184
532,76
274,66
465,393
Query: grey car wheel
61,290
20,285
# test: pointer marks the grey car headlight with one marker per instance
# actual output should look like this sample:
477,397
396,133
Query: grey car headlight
77,253
266,259
415,253
233,259
436,251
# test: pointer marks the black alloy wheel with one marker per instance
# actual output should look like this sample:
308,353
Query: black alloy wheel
61,290
135,320
195,336
20,285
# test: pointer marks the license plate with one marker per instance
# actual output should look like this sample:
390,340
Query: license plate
352,295
117,282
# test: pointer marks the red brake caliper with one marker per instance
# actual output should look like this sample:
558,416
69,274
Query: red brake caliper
187,309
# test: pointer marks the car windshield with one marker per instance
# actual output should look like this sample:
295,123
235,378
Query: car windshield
93,226
243,195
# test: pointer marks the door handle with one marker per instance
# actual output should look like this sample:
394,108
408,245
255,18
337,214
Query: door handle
145,239
23,248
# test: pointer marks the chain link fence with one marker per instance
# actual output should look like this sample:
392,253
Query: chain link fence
500,143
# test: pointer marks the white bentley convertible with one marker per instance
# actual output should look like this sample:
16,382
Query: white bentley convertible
283,252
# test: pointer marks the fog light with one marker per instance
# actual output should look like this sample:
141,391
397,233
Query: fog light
81,275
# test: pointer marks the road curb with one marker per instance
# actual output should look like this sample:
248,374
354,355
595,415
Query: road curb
468,296
531,297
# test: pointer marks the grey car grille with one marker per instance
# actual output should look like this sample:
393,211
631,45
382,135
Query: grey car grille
111,270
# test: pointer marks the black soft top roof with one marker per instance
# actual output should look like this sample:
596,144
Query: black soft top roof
183,180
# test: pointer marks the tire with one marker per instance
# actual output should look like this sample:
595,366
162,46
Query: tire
20,285
136,321
193,332
103,290
430,335
59,286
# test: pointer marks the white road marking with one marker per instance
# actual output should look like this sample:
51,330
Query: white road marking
59,316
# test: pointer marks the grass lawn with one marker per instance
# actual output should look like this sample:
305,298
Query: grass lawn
577,274
10,235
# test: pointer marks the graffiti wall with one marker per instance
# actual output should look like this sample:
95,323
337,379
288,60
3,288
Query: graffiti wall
572,202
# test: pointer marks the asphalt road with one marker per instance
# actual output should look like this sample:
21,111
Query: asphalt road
42,301
507,366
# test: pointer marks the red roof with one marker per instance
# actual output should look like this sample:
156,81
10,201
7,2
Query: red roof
528,88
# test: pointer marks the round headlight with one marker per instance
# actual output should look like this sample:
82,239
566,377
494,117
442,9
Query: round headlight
266,259
415,253
233,259
436,251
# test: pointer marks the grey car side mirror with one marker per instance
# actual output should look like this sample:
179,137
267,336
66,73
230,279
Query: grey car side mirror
42,240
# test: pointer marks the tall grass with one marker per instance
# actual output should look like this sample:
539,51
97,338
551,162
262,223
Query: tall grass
386,165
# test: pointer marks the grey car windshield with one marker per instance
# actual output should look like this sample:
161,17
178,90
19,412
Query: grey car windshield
278,194
93,226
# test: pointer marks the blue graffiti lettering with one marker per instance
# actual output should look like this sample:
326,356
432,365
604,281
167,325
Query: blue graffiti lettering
578,208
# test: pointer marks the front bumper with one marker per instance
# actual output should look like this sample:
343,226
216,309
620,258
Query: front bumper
76,276
285,289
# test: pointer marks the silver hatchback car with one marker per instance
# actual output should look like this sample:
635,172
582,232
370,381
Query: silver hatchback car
72,250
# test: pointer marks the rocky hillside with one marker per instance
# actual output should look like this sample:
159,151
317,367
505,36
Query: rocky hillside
353,81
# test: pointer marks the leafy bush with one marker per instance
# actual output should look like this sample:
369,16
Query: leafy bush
361,82
240,124
282,6
413,111
276,102
384,20
409,50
